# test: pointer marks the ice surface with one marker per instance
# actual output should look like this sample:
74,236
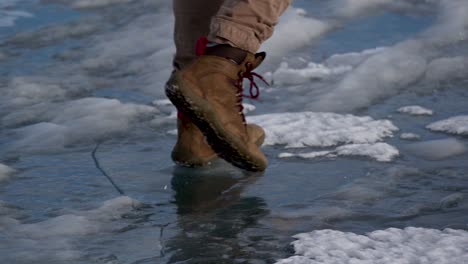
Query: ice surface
455,125
393,245
415,110
310,129
437,149
5,172
52,239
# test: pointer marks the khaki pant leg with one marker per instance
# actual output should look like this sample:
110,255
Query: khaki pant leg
192,21
246,24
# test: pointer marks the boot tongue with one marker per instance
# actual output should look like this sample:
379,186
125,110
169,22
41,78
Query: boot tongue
228,52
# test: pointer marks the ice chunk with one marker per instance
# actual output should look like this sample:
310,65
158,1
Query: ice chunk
310,129
309,155
409,245
379,151
437,149
455,125
415,110
5,172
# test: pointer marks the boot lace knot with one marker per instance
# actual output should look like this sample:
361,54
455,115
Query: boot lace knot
254,90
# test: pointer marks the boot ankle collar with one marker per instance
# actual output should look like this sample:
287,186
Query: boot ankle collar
228,52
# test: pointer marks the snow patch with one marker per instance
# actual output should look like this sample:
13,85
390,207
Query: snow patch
393,245
379,151
289,76
311,129
415,110
457,125
98,3
5,172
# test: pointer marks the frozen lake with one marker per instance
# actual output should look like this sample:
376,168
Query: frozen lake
367,137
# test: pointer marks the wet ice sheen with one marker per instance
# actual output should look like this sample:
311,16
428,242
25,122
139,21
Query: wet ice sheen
52,240
393,245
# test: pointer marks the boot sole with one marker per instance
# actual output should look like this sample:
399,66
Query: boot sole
201,113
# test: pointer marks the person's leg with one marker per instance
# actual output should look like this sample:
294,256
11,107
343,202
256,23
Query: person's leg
246,24
209,91
192,20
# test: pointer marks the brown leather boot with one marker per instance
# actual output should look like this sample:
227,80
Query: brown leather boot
209,93
191,148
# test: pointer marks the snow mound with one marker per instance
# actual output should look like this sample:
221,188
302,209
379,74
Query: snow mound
311,129
409,245
455,125
81,120
415,110
5,172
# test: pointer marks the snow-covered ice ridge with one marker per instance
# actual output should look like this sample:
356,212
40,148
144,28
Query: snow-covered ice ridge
390,246
359,136
455,125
